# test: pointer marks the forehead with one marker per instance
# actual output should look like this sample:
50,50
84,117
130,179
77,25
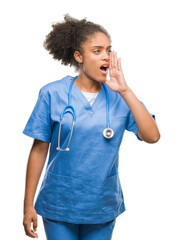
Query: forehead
98,39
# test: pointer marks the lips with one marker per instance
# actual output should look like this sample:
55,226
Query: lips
104,68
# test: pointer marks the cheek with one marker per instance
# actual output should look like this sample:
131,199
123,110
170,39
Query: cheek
91,66
91,63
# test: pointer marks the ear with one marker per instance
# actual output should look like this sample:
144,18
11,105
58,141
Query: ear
78,57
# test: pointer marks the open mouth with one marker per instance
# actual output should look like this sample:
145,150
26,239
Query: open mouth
104,69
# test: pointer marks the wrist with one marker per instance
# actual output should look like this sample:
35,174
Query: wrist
28,203
124,91
28,208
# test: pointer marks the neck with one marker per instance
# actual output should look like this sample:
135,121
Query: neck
86,84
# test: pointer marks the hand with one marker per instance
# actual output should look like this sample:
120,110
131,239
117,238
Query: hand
117,81
30,215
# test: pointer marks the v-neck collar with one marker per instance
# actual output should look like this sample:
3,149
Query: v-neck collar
90,108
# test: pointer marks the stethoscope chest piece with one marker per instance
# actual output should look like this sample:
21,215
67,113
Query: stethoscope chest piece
108,133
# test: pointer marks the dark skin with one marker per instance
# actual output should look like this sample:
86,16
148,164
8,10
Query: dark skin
91,77
35,165
89,80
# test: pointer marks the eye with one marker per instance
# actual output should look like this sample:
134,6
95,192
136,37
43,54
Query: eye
110,51
96,51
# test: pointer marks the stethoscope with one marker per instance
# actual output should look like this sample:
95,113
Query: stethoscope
107,133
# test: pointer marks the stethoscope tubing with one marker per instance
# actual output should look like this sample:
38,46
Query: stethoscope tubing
74,116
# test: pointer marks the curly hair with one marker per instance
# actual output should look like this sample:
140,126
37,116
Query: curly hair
68,37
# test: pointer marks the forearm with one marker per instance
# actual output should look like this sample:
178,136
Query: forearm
145,123
35,165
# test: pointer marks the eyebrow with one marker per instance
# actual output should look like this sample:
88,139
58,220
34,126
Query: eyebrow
101,47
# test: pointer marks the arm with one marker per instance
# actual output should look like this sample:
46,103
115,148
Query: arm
148,130
35,165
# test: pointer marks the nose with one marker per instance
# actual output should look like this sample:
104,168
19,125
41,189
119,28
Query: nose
105,55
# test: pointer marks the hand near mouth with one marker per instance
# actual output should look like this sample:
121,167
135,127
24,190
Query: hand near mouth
117,81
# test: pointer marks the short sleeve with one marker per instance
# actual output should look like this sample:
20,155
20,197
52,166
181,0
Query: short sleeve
131,124
38,125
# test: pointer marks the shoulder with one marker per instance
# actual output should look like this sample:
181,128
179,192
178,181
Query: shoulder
55,86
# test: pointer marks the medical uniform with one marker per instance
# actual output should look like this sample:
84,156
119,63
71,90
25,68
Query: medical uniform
80,186
60,230
90,96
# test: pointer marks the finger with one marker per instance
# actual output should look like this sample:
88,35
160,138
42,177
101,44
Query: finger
29,232
35,235
115,60
35,224
119,64
112,60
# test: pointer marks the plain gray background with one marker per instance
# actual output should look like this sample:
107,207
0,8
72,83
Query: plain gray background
147,35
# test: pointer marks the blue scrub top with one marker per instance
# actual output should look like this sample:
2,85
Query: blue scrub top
82,185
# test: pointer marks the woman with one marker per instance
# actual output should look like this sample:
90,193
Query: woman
81,196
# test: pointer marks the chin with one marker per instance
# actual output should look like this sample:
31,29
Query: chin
102,79
98,77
